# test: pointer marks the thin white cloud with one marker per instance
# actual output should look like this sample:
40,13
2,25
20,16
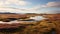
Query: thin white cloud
52,12
15,10
35,8
4,6
52,4
16,2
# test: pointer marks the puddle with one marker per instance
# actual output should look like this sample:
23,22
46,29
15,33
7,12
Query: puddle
38,18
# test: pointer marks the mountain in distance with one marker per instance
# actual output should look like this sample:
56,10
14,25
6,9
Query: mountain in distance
6,13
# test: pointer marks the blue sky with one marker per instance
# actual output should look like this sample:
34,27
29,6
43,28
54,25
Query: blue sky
30,6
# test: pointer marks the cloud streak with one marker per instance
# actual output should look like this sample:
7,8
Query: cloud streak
16,2
52,4
5,6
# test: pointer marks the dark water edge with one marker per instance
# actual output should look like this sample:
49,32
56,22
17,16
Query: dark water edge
11,30
53,31
20,31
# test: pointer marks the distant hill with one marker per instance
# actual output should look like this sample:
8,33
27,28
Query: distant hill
6,13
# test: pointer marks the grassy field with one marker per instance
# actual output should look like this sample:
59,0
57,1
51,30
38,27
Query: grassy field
47,26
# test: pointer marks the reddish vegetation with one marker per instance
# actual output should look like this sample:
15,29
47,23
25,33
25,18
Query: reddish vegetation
56,19
12,16
9,25
53,18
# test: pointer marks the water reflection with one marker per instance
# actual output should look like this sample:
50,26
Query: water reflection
38,18
20,30
31,19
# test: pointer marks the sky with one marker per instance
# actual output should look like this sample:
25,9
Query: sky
30,6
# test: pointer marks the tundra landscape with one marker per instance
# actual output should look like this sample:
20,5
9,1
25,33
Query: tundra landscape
29,16
29,23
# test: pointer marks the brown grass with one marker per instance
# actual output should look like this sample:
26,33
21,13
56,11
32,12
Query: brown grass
41,27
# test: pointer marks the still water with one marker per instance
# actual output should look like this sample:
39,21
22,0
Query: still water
35,18
21,29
